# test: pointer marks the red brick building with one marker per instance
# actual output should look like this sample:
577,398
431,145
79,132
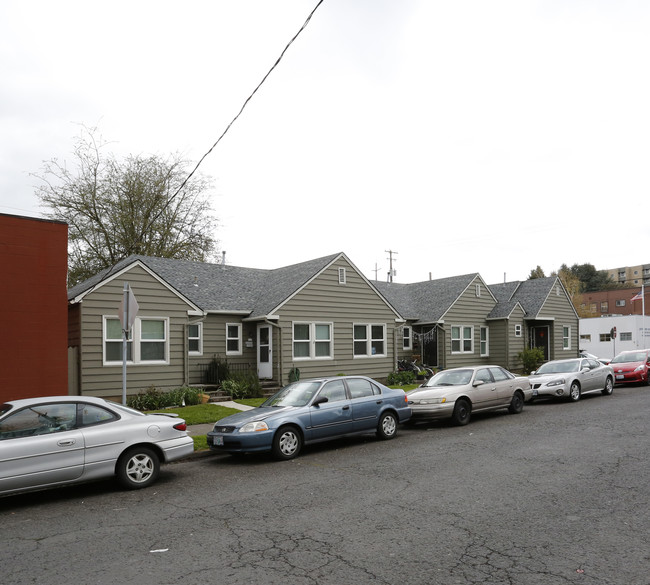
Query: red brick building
33,307
613,302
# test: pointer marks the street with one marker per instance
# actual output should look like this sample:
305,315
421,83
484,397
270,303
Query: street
557,494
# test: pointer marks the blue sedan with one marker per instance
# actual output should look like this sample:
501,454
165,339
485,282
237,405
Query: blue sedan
310,411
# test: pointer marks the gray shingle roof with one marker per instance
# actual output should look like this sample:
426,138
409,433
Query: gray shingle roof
426,301
218,287
530,294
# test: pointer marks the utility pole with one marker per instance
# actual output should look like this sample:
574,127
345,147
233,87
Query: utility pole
391,272
376,271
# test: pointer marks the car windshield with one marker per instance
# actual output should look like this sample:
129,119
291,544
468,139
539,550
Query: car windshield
636,356
450,378
296,394
558,367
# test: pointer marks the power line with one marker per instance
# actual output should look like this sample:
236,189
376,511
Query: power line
241,110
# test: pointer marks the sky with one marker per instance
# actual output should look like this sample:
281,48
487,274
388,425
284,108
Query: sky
465,136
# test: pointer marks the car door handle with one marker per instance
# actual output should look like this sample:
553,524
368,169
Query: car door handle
379,401
66,442
346,408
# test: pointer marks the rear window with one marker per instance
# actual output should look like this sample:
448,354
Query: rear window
4,409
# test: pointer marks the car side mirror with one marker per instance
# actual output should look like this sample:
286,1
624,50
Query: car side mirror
478,383
320,400
584,370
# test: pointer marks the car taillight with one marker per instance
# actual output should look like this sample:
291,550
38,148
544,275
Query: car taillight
406,399
181,426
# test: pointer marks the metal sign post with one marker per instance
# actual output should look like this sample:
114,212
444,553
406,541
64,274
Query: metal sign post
128,311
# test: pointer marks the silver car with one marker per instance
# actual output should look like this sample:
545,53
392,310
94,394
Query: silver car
571,378
53,441
459,392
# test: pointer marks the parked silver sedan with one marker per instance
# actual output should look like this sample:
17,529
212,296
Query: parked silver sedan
53,441
571,378
459,392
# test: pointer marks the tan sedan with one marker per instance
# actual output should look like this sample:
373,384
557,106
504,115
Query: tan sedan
459,392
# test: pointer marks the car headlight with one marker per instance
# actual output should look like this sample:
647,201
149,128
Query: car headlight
252,427
640,368
559,382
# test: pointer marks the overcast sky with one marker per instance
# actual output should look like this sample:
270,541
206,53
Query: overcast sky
465,135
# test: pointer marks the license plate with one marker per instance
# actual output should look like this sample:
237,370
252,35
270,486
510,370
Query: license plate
620,376
535,392
218,440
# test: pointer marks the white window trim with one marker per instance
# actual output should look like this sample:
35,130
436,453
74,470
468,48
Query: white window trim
567,337
312,341
407,340
342,276
239,338
487,341
462,339
369,339
136,340
200,338
518,330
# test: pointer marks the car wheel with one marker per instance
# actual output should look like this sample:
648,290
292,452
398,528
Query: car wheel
387,427
516,404
287,443
138,468
574,391
609,386
462,412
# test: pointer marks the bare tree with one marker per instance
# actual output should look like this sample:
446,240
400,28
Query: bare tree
114,208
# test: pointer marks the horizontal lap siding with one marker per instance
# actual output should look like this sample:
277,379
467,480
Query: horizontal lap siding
214,345
326,300
469,310
154,300
560,309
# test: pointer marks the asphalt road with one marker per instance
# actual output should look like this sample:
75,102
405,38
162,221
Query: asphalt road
556,495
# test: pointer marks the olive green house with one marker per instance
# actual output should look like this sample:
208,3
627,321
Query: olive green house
316,318
461,320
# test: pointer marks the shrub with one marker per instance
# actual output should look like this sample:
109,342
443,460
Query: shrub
242,385
401,378
154,399
531,359
217,371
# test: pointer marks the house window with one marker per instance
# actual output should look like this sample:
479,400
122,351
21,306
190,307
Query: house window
593,307
485,341
195,338
312,340
626,336
153,340
233,339
518,330
342,276
566,337
369,340
462,339
406,338
586,337
605,337
147,342
113,342
604,307
620,302
478,290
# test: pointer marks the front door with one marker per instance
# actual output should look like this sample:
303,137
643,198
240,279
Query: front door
541,340
264,352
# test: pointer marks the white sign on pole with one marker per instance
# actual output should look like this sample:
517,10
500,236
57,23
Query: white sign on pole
128,311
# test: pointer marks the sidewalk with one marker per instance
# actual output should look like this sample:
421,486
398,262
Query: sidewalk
196,430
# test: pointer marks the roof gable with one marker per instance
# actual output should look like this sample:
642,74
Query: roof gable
427,301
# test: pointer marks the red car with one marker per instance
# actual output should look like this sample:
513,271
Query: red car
631,366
